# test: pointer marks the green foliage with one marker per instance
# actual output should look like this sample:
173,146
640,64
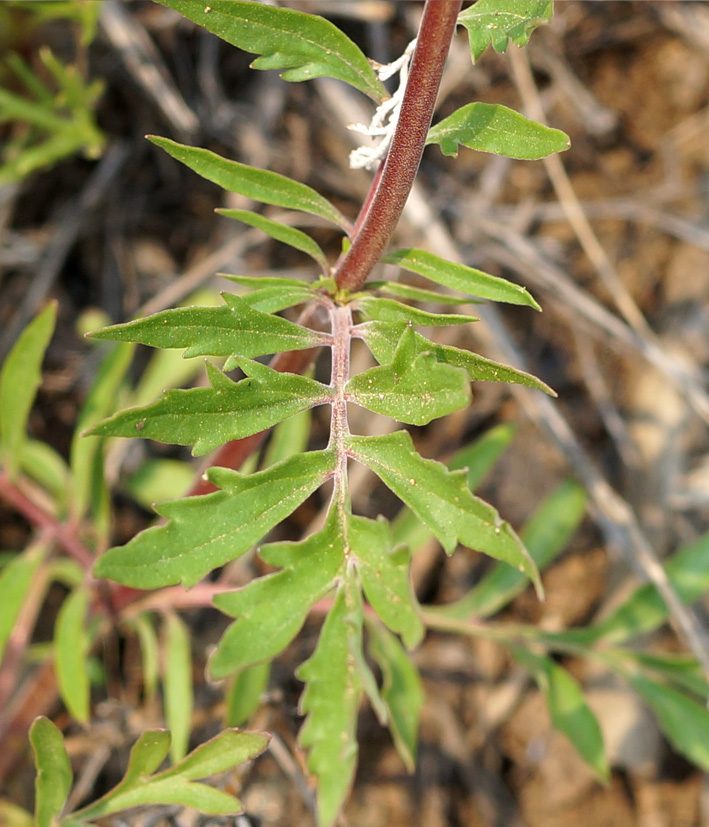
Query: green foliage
491,127
353,572
50,105
19,379
497,22
141,784
305,45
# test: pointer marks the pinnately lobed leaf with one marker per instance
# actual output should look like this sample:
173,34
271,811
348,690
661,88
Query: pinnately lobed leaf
234,329
496,22
209,417
415,388
491,127
258,184
209,531
441,499
305,45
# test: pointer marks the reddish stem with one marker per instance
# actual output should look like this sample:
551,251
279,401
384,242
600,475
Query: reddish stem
39,518
404,156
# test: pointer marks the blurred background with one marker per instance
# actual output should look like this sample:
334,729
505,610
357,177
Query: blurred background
612,238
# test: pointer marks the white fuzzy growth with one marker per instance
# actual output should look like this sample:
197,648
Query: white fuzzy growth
386,116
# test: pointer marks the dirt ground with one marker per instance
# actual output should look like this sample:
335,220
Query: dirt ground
613,241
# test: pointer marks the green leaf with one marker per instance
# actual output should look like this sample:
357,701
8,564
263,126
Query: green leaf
47,467
20,377
209,417
331,702
288,438
281,232
86,451
568,709
305,45
54,775
15,581
244,695
382,339
275,299
545,537
460,277
491,127
417,294
258,184
272,609
644,611
496,22
13,816
146,755
389,310
177,685
679,669
175,785
157,480
149,654
415,388
71,651
441,499
205,532
684,721
384,575
236,329
402,691
477,458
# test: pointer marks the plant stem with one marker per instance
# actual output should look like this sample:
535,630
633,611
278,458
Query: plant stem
402,161
339,428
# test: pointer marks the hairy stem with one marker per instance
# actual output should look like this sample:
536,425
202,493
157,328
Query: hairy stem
402,162
339,428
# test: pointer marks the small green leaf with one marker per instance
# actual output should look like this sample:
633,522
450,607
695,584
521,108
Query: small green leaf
441,499
382,339
236,329
684,721
146,755
331,702
54,775
86,452
275,299
389,310
15,581
305,45
491,127
175,785
13,816
568,709
209,417
460,277
20,377
281,232
244,695
415,388
644,611
177,685
205,532
385,577
402,691
496,22
258,184
71,651
417,294
157,480
272,609
545,537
